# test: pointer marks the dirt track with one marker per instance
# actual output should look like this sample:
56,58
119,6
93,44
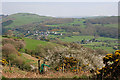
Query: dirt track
50,74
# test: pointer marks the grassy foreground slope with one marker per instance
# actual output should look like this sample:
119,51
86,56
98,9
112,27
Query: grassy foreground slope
53,54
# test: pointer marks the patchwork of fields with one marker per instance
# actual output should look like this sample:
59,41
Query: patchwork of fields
106,44
64,29
103,41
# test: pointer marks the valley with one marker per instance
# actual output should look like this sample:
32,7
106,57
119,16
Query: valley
72,47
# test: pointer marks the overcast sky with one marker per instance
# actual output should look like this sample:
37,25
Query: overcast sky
60,0
61,9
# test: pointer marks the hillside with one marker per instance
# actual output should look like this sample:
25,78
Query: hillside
18,73
53,53
94,32
56,51
23,18
24,22
89,63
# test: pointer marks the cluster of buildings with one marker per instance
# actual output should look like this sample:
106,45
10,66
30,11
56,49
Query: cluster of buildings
45,33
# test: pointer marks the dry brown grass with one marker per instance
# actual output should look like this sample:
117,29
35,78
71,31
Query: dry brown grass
17,73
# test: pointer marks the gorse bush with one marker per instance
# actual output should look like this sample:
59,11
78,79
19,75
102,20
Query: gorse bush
69,64
112,66
4,62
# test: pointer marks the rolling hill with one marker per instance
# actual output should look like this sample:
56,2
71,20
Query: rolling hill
66,29
24,18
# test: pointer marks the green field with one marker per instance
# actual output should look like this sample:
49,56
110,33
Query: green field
93,45
111,25
105,38
80,22
22,19
32,44
76,21
108,49
79,38
76,38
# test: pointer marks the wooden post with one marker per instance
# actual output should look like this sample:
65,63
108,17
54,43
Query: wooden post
77,67
9,65
63,67
39,66
43,66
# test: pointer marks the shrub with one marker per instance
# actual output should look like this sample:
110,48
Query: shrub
69,63
18,44
19,62
40,50
26,66
50,47
8,49
33,52
75,77
111,68
7,40
83,76
4,62
12,57
75,45
19,54
99,51
28,51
